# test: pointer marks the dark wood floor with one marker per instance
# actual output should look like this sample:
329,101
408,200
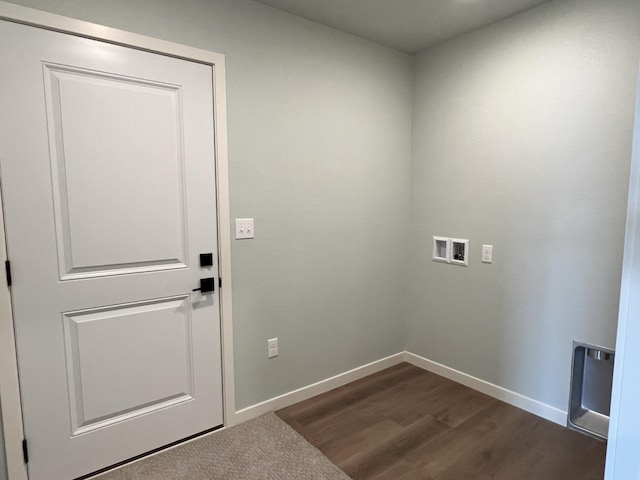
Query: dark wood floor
405,423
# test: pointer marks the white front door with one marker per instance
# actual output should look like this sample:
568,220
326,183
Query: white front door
108,183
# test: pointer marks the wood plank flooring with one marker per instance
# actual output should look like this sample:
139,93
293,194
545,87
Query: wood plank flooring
404,423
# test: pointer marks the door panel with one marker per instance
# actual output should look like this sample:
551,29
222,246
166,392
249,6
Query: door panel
93,371
111,132
108,175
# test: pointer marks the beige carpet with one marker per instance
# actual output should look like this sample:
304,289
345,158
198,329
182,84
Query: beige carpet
264,448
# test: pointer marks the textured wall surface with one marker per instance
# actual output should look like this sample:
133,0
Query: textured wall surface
522,140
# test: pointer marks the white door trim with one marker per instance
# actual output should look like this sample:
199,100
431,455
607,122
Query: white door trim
9,387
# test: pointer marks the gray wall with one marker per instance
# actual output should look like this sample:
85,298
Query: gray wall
522,139
319,137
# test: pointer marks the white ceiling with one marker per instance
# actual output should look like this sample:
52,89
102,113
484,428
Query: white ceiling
407,25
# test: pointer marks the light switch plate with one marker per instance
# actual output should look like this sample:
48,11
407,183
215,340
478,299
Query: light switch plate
244,228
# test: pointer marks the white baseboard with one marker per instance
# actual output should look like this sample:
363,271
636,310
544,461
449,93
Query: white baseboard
314,389
536,407
517,400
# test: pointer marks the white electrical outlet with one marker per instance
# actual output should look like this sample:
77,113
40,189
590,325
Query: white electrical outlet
272,347
244,228
487,253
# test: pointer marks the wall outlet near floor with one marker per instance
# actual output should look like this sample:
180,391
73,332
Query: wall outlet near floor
272,347
244,228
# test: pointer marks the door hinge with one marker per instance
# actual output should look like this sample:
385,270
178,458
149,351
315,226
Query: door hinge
25,451
219,282
7,268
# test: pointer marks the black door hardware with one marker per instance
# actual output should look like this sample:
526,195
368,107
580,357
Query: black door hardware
206,259
206,285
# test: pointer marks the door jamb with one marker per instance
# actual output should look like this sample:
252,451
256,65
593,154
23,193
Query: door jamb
9,387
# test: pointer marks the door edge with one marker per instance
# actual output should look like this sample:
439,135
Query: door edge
10,402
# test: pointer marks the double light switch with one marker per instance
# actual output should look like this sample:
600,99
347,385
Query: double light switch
244,228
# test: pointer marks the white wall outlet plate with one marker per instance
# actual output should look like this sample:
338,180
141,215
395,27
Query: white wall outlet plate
441,249
244,228
459,252
487,253
272,347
